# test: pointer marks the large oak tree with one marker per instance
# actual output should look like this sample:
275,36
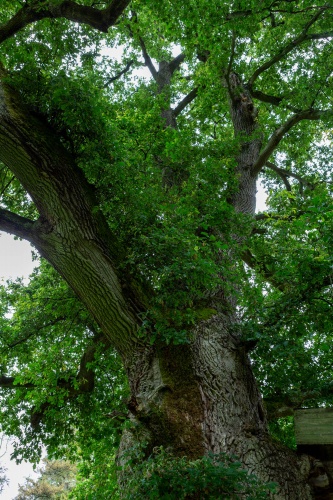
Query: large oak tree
140,191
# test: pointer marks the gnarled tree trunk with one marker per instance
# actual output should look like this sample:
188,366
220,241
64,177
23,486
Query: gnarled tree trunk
195,398
204,398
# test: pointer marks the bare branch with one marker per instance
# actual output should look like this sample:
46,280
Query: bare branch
278,134
284,174
187,100
120,74
304,36
276,101
16,225
36,10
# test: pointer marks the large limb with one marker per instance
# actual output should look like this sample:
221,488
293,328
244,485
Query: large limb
35,10
70,233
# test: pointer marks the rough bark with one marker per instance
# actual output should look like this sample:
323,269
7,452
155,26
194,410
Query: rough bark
203,398
100,19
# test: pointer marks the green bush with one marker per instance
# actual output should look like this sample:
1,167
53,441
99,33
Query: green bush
164,477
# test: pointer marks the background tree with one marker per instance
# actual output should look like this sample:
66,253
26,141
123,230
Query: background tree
140,192
57,479
3,478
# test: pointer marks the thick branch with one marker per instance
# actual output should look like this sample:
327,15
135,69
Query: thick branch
187,100
147,59
304,36
176,62
36,10
17,225
277,136
70,233
8,383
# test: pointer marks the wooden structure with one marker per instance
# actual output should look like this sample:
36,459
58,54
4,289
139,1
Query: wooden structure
314,436
314,426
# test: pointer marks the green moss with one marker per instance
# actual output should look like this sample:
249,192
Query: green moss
205,313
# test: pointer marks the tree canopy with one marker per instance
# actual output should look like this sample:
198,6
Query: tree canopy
157,119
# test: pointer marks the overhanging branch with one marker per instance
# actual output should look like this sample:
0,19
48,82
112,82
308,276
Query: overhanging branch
83,14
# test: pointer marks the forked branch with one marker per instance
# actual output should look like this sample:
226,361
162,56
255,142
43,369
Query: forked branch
284,174
303,37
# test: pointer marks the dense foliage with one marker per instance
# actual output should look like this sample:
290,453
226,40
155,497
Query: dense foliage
165,193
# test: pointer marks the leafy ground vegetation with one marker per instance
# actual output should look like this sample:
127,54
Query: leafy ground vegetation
164,313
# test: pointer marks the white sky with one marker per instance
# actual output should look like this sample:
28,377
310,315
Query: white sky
15,257
15,261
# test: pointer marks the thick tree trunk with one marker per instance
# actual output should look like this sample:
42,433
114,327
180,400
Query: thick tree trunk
195,398
204,398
